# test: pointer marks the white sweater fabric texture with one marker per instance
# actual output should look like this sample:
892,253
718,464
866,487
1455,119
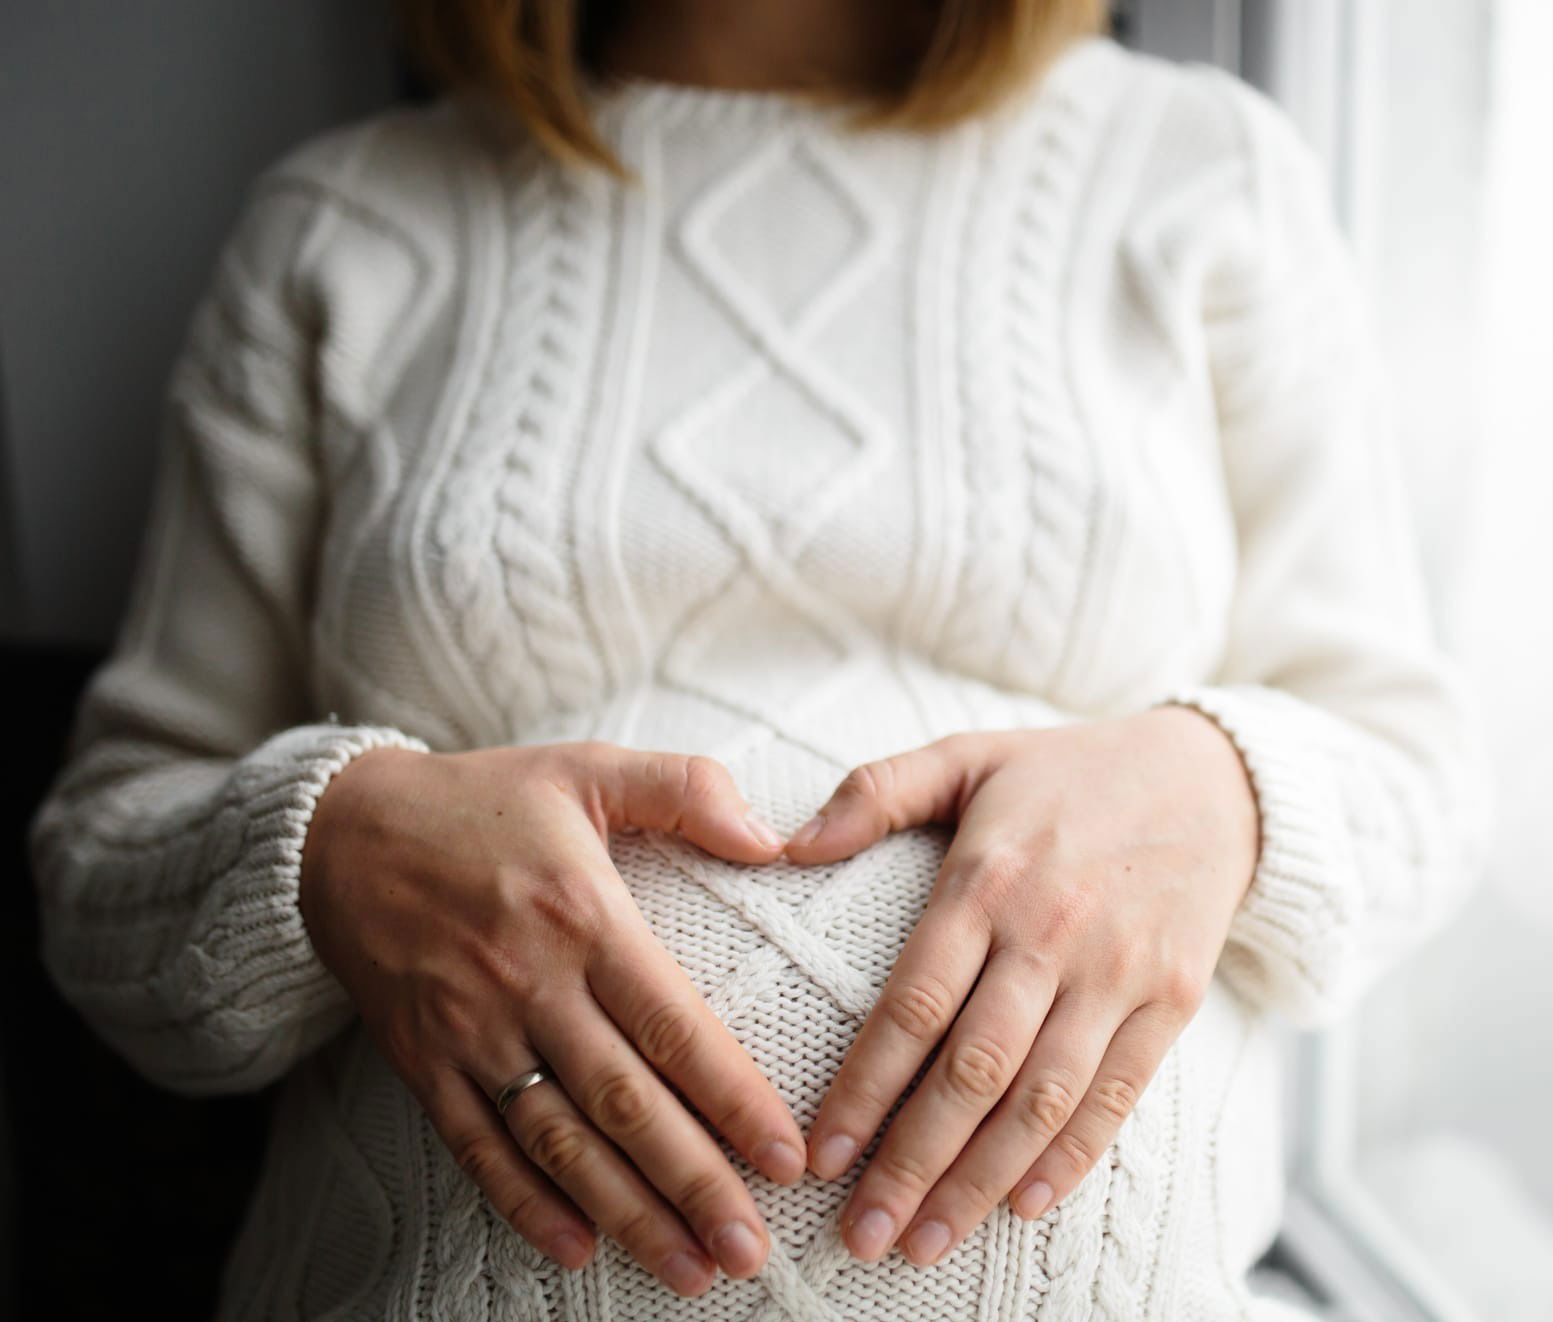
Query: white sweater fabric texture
813,448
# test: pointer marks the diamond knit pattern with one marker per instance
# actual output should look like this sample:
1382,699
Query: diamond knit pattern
808,448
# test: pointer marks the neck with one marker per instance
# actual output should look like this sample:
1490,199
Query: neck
765,44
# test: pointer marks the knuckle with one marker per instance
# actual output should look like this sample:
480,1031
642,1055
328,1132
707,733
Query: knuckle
1183,989
996,873
860,1091
976,1194
572,907
1118,963
977,1071
570,764
1045,1106
1034,965
1114,1097
449,1015
955,744
401,1046
1076,1152
482,1158
870,781
520,1209
636,1227
556,1143
703,778
738,1111
922,1009
590,752
666,1035
906,1170
699,1190
621,1104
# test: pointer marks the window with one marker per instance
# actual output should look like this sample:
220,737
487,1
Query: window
1422,1160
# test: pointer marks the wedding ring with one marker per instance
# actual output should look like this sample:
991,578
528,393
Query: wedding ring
525,1080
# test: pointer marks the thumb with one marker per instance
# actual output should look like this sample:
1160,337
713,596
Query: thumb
692,795
927,784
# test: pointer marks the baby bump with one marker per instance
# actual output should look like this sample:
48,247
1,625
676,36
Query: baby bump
792,960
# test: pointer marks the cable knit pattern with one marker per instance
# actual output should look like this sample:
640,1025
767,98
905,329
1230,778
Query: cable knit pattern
815,447
1034,501
499,498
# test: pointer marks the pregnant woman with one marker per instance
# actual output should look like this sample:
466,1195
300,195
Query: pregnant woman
759,710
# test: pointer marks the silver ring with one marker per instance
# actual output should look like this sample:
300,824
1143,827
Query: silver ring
525,1080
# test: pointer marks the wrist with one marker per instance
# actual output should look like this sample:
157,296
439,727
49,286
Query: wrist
1216,766
343,800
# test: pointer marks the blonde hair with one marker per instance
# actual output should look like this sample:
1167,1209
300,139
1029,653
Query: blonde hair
530,59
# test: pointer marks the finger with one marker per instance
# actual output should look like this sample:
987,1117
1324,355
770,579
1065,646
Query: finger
567,1147
932,976
650,996
614,1088
1129,1063
523,1197
978,1062
1044,1094
909,789
694,796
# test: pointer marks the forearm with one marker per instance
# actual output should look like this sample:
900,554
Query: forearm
169,904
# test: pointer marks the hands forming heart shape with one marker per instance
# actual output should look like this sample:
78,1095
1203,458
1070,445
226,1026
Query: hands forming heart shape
468,904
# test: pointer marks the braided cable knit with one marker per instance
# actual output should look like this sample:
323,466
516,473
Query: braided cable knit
815,447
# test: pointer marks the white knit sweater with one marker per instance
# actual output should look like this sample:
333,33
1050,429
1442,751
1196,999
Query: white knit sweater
811,449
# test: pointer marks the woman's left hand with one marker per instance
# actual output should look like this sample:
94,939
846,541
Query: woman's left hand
1077,917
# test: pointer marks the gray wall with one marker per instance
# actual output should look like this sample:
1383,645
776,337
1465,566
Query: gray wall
128,131
1185,29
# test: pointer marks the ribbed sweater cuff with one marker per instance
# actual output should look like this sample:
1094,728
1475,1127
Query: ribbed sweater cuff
264,948
1288,942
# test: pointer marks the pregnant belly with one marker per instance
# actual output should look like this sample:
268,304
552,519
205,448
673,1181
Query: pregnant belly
793,959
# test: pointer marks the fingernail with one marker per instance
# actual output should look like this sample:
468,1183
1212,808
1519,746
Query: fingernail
871,1233
926,1242
806,834
570,1251
834,1155
764,835
683,1273
737,1248
780,1160
1033,1200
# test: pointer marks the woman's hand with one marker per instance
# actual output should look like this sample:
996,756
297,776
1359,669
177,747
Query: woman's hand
1087,894
469,905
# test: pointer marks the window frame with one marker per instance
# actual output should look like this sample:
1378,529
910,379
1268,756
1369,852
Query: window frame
1323,62
1336,1236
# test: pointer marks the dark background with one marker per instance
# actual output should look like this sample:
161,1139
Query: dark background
117,1188
128,134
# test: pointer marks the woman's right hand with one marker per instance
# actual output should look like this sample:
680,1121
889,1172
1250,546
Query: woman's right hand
469,906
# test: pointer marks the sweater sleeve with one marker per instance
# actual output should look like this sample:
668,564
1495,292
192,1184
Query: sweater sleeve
167,850
1355,727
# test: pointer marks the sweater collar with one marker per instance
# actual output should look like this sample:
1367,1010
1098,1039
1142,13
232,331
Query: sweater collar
634,99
